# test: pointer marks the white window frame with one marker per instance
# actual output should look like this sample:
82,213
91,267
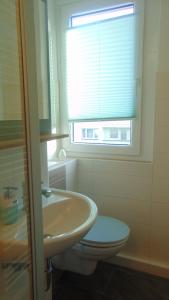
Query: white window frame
65,10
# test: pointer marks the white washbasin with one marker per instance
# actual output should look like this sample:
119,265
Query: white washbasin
66,220
67,217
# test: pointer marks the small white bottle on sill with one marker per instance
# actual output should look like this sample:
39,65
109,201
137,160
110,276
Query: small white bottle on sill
62,154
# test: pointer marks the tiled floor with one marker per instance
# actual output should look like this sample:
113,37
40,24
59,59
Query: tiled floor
110,282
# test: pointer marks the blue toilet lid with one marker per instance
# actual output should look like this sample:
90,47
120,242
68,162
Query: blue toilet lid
106,230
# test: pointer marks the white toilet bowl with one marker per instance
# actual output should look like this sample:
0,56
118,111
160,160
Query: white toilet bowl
105,239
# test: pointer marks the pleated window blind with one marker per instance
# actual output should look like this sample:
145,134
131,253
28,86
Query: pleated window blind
100,69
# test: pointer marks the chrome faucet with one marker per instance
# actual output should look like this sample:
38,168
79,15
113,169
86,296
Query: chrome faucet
46,192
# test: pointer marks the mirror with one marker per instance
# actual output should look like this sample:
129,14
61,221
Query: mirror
9,64
11,72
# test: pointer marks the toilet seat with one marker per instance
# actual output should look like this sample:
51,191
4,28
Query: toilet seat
107,232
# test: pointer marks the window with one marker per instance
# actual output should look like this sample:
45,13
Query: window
100,76
102,132
101,73
89,133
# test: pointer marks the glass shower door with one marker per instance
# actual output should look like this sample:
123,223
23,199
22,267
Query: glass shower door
21,256
15,251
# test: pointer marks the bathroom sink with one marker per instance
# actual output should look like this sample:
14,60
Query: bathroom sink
67,217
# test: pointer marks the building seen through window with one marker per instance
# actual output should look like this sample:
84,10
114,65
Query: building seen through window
103,132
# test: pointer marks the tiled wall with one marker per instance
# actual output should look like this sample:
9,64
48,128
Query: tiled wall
121,190
159,233
138,192
159,236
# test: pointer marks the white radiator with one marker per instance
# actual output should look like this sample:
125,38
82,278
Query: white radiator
62,175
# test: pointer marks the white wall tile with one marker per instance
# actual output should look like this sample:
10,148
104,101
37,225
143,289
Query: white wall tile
162,85
159,245
85,183
151,21
139,169
160,192
122,186
161,144
111,206
138,242
85,164
71,175
162,112
127,210
161,166
160,215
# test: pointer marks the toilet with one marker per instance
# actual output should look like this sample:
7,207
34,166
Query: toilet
105,239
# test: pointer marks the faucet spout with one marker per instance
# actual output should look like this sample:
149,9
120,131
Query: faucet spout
46,192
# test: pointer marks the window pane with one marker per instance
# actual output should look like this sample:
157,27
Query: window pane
101,15
104,132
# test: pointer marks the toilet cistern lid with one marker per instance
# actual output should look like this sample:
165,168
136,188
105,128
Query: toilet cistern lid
106,230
